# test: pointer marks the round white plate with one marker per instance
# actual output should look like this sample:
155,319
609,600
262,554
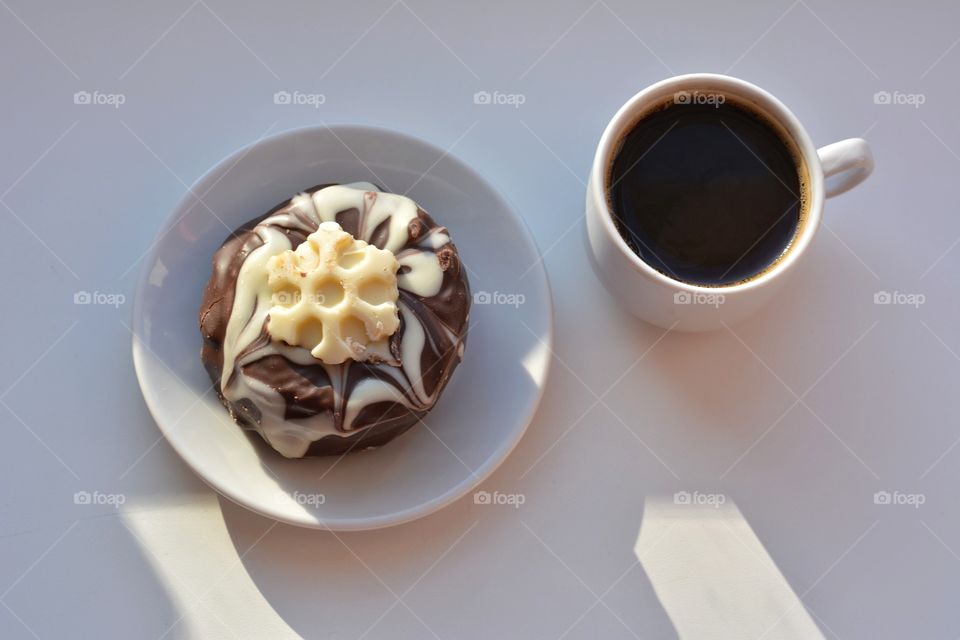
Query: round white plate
479,418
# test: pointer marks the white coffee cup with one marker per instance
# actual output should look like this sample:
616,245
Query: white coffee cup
669,303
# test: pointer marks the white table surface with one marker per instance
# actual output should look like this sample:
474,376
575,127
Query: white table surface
794,421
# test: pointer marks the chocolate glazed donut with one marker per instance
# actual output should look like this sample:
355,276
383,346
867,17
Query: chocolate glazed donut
299,404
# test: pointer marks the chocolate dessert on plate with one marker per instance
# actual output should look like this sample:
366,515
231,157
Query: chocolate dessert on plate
333,322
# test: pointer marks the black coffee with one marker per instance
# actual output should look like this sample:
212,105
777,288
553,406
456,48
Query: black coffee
707,194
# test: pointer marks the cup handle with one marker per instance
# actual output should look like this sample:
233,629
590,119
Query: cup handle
848,162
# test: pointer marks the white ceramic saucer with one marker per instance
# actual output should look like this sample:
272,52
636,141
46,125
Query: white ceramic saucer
483,412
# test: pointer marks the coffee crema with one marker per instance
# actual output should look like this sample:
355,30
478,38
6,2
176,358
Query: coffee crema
710,193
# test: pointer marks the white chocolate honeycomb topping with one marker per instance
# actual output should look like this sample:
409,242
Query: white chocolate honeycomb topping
335,296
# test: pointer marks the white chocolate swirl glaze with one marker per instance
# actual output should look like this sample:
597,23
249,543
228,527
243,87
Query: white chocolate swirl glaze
300,405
